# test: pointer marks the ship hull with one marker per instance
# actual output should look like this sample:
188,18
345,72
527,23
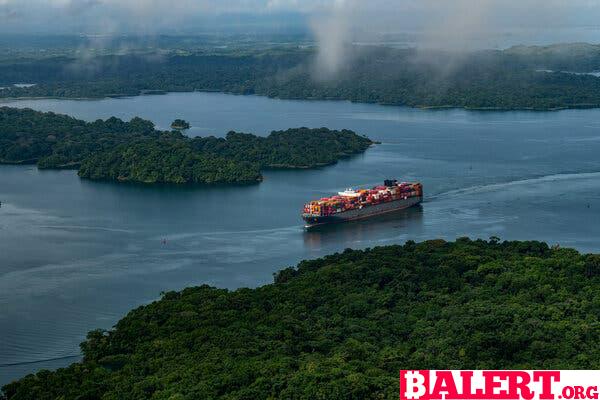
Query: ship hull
365,212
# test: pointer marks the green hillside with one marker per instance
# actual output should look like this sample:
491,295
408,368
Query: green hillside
341,327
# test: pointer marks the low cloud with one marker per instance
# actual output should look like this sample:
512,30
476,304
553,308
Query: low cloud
335,24
458,25
333,32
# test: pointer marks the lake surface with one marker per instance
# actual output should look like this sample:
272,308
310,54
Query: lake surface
77,255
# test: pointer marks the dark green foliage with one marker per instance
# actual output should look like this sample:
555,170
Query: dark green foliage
54,140
509,79
135,152
165,161
293,148
180,124
342,327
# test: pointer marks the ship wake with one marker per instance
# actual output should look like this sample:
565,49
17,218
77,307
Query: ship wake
514,183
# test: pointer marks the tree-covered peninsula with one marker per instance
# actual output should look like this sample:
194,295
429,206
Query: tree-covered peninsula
341,327
135,151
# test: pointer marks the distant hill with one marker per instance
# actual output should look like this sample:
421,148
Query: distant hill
489,79
574,57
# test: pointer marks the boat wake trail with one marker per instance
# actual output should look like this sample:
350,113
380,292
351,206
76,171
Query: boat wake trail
515,183
87,228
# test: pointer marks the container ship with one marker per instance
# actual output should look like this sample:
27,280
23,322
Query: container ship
353,204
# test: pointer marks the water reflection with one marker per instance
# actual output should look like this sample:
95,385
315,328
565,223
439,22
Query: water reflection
398,223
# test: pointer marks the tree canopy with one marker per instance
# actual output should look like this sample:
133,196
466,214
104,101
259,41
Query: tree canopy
541,78
180,124
135,151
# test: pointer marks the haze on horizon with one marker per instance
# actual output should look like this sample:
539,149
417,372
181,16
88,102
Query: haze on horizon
458,25
456,21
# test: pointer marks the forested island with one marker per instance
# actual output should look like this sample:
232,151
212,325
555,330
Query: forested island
180,124
341,327
536,77
135,151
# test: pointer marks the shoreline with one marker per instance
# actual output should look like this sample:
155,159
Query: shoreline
152,92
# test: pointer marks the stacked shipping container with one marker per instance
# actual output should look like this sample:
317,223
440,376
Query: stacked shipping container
361,198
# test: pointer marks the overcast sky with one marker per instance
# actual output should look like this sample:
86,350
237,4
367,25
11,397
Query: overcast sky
567,19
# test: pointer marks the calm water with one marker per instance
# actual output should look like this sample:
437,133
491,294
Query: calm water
76,255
